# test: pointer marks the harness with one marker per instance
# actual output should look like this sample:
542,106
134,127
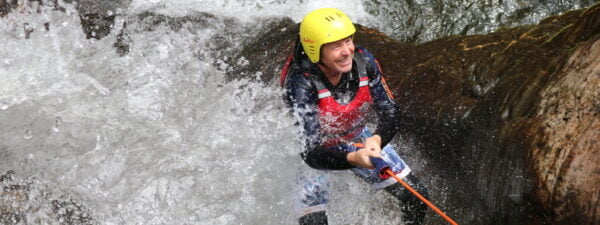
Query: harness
341,123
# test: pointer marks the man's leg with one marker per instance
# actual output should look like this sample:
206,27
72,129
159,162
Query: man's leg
413,209
312,200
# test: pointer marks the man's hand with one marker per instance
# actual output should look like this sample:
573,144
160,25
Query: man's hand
373,143
372,148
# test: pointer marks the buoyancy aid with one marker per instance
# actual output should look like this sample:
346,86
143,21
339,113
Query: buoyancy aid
341,123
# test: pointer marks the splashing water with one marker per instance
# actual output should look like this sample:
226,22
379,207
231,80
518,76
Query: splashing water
153,137
156,136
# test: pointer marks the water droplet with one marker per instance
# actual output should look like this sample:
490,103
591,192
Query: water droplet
3,105
28,134
57,124
466,114
505,113
516,198
477,90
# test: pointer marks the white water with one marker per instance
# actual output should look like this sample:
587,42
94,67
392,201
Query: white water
156,136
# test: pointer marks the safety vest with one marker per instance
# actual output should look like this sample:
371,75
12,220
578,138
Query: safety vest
342,123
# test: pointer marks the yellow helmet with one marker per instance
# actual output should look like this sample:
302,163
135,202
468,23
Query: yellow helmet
323,26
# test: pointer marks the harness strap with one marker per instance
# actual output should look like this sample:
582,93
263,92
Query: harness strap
324,93
364,81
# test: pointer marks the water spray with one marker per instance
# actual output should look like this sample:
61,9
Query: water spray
385,172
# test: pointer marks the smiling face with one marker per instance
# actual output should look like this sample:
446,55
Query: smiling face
337,56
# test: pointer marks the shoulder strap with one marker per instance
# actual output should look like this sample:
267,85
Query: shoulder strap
362,63
362,67
316,81
285,69
290,62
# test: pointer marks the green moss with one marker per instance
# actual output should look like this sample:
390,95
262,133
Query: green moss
558,34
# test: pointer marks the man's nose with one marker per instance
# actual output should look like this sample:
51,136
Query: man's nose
348,49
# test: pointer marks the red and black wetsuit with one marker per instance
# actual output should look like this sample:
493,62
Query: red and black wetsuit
304,82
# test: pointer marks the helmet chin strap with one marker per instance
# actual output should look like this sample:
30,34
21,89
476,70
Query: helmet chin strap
323,64
320,62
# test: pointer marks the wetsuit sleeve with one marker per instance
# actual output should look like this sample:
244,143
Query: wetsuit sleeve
301,98
387,110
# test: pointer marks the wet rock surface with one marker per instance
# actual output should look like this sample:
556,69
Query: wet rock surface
565,133
510,119
25,201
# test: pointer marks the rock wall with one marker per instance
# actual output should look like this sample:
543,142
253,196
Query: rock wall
565,135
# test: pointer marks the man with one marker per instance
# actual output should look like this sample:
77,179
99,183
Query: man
331,86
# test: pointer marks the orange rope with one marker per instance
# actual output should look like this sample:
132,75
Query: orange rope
438,211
